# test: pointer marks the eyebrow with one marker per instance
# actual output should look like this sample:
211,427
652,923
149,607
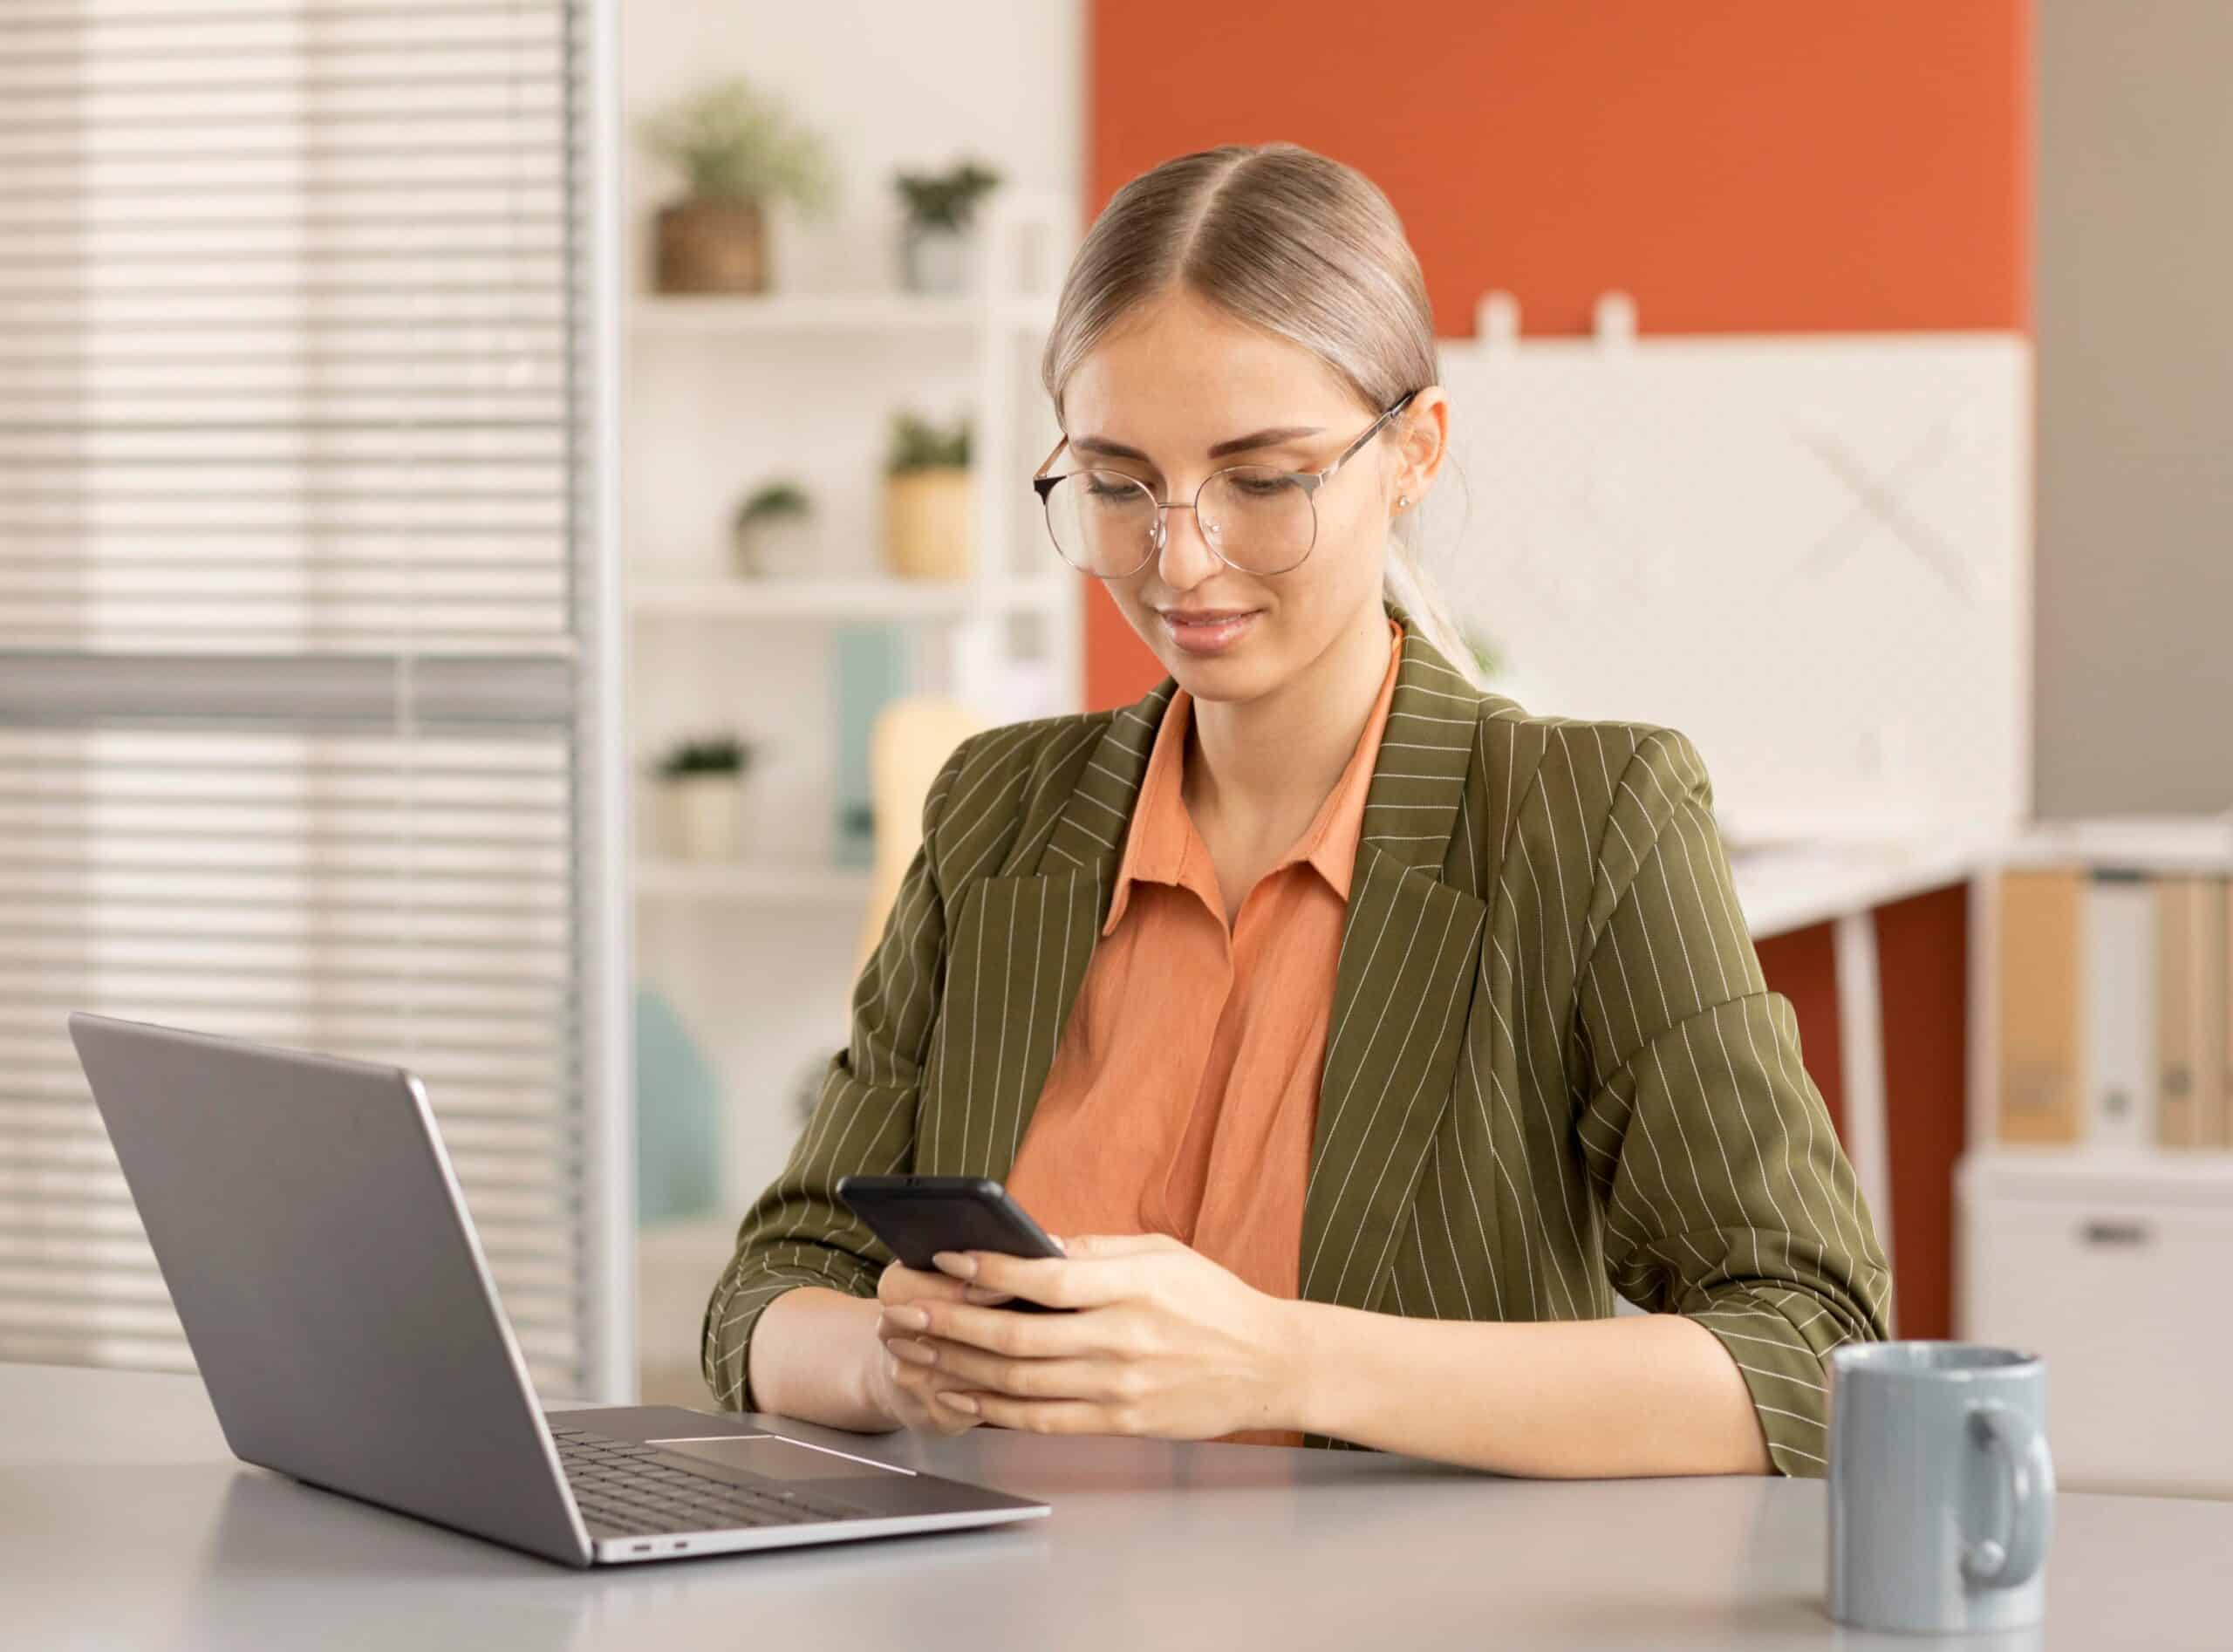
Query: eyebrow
1255,438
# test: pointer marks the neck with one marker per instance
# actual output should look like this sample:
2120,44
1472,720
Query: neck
1261,767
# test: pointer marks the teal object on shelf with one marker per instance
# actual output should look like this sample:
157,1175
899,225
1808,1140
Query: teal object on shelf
678,1117
871,666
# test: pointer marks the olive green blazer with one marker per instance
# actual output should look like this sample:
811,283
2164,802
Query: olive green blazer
1552,1071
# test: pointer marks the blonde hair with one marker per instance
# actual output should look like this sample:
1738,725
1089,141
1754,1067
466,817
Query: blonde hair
1290,242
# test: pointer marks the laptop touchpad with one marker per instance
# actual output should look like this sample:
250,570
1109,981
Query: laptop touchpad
774,1457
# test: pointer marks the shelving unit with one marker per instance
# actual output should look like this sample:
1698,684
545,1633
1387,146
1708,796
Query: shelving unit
755,954
968,631
2166,846
2100,1255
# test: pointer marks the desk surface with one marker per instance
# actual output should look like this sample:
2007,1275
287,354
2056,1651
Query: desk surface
123,1522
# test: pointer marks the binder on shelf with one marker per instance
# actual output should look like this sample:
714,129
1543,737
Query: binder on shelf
2191,1003
2040,1011
2223,1137
2119,1061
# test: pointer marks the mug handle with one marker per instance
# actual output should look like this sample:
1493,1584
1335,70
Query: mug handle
2021,1450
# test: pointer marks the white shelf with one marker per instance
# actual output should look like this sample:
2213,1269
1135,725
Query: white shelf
869,597
789,883
1786,889
698,314
2149,843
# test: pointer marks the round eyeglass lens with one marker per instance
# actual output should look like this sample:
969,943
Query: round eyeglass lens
1260,520
1102,522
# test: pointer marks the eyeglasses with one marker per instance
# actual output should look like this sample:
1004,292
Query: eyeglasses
1253,517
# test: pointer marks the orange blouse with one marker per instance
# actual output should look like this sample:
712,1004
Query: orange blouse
1184,1094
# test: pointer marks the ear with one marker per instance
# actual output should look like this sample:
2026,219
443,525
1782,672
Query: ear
1422,443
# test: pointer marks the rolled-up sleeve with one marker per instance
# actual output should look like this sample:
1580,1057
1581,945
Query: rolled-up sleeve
1726,1195
798,1232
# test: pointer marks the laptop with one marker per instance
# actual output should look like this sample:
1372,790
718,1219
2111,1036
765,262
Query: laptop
337,1300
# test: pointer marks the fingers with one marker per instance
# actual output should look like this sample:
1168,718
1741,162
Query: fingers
1002,1330
901,1283
1106,1245
1052,1416
1059,1281
971,1368
922,1398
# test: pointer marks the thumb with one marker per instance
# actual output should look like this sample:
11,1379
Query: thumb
1098,1245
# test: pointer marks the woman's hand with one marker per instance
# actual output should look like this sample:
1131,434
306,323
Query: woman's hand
907,1392
1164,1341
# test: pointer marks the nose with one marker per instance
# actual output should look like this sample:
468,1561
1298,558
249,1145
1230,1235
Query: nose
1184,559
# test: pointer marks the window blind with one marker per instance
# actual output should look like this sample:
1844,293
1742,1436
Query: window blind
308,649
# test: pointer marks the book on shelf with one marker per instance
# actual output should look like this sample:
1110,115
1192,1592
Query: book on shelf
2191,924
2041,1004
2117,1046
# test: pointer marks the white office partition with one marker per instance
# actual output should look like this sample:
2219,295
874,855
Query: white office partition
309,660
1811,554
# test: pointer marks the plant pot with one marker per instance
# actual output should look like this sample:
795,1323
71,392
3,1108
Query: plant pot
936,260
711,245
778,548
930,523
699,816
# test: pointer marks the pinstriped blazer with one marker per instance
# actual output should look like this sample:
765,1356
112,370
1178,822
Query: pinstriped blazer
1552,1070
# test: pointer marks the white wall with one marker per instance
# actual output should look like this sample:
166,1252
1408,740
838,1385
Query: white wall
891,86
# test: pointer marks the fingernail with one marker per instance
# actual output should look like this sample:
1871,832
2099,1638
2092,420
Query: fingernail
958,1263
908,1319
961,1402
983,1296
914,1353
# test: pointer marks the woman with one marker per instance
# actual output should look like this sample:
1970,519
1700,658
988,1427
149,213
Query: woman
1365,1032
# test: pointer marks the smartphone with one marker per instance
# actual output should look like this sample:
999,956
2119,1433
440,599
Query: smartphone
918,1216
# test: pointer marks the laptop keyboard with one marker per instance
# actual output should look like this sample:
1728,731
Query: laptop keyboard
632,1488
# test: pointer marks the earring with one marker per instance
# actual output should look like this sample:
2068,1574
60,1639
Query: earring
1402,500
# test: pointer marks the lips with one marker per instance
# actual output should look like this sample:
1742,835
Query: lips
1208,630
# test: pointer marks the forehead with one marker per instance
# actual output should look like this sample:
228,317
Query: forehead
1180,374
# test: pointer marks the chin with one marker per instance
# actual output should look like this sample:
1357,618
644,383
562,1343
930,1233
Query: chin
1243,674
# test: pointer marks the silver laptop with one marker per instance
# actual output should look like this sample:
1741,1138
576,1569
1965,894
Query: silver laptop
310,1228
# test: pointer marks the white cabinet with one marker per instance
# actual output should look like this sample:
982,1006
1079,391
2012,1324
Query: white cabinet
2112,1267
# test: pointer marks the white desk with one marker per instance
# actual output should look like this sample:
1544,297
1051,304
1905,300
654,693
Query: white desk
1791,888
124,1523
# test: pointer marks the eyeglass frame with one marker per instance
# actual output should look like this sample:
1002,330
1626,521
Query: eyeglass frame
1309,481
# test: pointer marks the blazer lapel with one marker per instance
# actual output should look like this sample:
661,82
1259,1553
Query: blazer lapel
1410,954
1022,937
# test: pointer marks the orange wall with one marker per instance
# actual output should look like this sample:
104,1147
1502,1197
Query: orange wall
1750,166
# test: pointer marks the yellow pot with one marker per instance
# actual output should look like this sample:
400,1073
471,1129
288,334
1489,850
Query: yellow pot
930,530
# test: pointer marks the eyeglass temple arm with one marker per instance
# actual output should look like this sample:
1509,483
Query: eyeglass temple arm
1351,452
1042,485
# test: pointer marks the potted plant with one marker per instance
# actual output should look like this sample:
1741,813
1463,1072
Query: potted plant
736,149
700,789
935,242
929,526
773,530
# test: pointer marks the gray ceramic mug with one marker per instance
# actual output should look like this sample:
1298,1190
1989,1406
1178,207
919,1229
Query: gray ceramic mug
1942,1492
